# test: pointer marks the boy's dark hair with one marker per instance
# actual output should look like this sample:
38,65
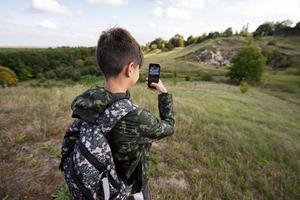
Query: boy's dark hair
117,48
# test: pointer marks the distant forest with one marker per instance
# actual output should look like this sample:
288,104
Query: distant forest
74,62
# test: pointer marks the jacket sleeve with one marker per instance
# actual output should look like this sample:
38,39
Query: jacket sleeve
163,127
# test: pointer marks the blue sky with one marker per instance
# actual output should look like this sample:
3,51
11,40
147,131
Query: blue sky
43,23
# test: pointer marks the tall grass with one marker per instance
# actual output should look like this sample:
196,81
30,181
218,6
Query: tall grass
226,145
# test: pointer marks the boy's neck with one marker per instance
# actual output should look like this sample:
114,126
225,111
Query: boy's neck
115,86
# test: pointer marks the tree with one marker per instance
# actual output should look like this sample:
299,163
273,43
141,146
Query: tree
159,42
176,41
180,42
248,65
213,35
191,40
7,76
283,24
265,29
153,46
244,32
202,38
228,32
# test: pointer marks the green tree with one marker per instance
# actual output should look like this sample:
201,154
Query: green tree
7,77
265,29
228,32
79,63
153,46
202,38
248,65
176,41
282,24
191,40
244,32
159,42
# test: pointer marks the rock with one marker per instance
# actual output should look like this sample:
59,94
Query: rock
216,56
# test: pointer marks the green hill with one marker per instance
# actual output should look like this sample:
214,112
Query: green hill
285,81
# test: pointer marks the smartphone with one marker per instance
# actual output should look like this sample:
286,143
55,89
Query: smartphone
153,74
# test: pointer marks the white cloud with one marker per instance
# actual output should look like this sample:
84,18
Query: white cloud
159,2
51,6
178,13
109,2
191,4
79,13
180,9
283,8
47,24
152,25
158,11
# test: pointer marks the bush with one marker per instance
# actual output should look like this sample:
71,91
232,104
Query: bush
278,60
68,73
153,46
50,75
7,77
244,87
187,78
207,77
76,76
272,43
248,65
90,70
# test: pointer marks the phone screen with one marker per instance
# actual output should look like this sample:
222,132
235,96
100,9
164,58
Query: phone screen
153,74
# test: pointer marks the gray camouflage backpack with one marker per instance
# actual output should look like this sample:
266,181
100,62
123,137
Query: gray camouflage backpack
89,168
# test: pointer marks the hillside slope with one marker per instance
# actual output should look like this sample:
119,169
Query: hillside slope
182,62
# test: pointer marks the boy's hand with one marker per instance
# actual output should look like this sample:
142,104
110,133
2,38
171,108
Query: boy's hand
160,88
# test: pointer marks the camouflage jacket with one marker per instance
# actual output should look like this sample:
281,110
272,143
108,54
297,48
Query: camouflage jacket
131,138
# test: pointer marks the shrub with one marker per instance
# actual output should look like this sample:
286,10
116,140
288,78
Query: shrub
76,76
61,193
7,77
207,77
20,138
187,78
248,65
153,46
244,87
68,73
51,150
50,74
278,60
29,160
272,43
90,70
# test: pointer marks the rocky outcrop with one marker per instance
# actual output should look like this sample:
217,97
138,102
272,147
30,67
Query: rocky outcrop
212,56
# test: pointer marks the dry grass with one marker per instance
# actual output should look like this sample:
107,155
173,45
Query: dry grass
226,145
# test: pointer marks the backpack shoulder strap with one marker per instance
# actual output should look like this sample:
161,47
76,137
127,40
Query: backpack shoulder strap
114,113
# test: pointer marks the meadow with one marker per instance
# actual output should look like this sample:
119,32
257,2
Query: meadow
226,144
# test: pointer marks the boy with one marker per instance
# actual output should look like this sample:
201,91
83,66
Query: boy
120,57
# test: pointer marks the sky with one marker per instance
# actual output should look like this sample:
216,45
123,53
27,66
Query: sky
45,23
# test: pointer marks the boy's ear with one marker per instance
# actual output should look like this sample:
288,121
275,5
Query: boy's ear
129,69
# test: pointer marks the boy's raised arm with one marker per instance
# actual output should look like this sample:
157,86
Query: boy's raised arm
160,128
163,127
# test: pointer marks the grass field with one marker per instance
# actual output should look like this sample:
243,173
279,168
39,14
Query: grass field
226,145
